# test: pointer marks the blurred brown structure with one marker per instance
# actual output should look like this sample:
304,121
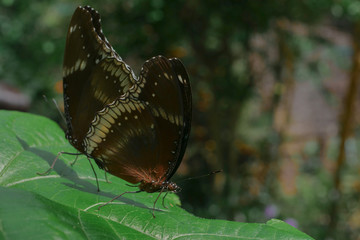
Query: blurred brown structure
13,99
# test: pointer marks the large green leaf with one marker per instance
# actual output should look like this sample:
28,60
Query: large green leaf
63,205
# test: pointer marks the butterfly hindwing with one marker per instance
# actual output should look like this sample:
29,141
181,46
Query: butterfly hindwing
123,138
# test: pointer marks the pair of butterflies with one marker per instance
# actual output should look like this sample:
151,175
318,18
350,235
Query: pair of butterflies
135,128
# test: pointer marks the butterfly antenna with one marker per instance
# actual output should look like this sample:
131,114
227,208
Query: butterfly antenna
45,98
57,107
206,175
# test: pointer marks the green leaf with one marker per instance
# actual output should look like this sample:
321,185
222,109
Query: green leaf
63,204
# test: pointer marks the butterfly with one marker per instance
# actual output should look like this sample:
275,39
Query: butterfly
135,128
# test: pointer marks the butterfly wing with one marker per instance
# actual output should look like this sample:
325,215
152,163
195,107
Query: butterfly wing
143,135
185,88
123,139
166,91
136,129
93,73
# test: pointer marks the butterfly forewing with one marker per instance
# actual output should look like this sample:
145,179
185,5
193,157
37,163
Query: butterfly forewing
93,73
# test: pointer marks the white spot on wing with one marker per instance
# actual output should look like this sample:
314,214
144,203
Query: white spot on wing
77,64
180,79
82,65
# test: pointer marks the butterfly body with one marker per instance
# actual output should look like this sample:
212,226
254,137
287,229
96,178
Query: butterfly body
135,128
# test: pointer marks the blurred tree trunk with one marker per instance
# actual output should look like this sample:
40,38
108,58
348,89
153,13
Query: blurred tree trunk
285,76
346,129
224,117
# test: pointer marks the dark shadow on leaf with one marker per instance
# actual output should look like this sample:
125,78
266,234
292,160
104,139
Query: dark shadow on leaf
65,171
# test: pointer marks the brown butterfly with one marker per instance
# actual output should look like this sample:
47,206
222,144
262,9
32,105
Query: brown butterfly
135,128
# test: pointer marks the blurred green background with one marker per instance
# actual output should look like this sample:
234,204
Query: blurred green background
275,91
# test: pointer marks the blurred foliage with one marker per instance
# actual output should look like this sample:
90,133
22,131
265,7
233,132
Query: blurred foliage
268,79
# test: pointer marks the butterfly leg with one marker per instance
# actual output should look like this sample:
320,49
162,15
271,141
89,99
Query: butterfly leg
164,200
131,185
116,198
72,163
106,178
153,212
97,181
53,163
